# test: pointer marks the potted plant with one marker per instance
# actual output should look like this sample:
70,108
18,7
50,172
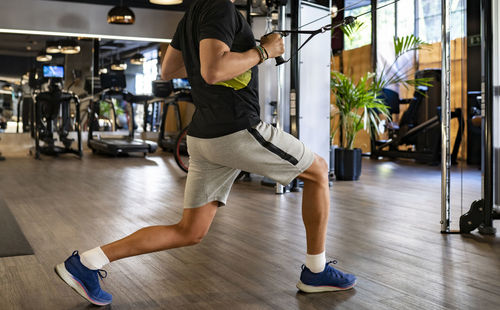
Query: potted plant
359,106
355,104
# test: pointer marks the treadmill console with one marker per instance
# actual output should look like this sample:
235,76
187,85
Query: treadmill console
162,88
95,81
113,80
181,84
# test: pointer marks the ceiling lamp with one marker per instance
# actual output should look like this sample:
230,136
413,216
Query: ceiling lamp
43,57
166,2
121,15
7,87
118,66
53,47
137,59
69,47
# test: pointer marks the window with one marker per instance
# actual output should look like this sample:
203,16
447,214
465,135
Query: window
364,36
143,82
429,20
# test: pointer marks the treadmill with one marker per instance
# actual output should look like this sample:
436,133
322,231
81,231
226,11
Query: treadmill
113,85
169,93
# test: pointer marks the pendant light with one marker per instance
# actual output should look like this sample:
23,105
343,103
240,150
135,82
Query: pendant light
121,15
138,59
53,47
119,66
166,2
69,47
43,57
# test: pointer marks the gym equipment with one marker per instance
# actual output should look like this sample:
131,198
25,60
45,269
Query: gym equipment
419,128
484,211
180,152
113,85
52,111
169,93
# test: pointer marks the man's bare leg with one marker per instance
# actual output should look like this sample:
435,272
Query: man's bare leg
82,273
318,276
190,230
315,205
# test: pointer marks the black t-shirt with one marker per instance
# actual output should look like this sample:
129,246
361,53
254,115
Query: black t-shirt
229,106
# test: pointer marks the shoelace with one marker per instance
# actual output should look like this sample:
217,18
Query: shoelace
333,262
101,272
336,272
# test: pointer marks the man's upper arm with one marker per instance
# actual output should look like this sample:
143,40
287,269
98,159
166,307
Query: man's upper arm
219,23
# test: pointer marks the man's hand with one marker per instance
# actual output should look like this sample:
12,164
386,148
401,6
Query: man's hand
273,43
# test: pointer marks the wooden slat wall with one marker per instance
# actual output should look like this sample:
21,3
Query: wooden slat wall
356,63
431,58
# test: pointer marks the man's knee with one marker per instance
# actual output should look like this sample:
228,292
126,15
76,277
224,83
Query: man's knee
191,235
317,172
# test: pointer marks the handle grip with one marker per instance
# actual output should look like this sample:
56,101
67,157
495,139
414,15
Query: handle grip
279,60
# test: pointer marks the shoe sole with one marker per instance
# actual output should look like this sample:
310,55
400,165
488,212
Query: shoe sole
319,289
63,273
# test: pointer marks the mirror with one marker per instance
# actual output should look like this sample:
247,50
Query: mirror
22,62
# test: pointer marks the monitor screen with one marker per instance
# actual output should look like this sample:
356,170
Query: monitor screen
181,84
113,80
53,72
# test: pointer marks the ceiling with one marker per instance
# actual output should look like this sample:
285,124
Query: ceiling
143,4
135,4
21,45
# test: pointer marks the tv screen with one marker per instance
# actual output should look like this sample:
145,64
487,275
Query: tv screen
181,84
53,72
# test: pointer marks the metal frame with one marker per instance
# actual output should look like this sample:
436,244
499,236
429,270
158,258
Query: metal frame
482,212
280,189
445,116
487,95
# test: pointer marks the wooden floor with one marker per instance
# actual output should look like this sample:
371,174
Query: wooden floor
384,228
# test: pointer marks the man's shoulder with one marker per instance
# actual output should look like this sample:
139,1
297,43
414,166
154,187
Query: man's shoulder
217,4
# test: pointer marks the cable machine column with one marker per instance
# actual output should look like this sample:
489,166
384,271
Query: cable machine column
280,104
445,116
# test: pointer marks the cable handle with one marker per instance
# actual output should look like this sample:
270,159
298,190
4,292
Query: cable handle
279,60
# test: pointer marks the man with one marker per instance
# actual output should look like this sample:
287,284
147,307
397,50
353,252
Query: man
214,47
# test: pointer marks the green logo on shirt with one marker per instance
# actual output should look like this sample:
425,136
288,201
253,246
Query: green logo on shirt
239,82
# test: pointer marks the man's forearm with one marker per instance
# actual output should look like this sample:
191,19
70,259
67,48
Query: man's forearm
228,65
180,73
173,65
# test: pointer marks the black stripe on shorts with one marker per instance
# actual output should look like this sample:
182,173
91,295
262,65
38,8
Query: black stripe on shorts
273,148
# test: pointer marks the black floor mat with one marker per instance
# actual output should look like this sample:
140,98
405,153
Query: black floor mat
12,240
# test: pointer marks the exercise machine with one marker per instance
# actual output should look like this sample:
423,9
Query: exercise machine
485,210
419,128
52,113
113,86
169,93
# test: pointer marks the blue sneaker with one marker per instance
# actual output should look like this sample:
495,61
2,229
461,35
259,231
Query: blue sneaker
83,280
328,280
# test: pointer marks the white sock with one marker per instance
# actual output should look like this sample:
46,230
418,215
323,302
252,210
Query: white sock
94,259
316,263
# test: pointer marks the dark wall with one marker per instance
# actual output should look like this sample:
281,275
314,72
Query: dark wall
337,35
473,80
13,66
473,51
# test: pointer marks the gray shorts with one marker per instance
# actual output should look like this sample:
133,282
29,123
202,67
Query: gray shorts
215,163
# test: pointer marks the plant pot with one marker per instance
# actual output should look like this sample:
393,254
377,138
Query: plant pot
332,158
347,164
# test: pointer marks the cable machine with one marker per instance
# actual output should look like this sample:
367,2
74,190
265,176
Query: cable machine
484,211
